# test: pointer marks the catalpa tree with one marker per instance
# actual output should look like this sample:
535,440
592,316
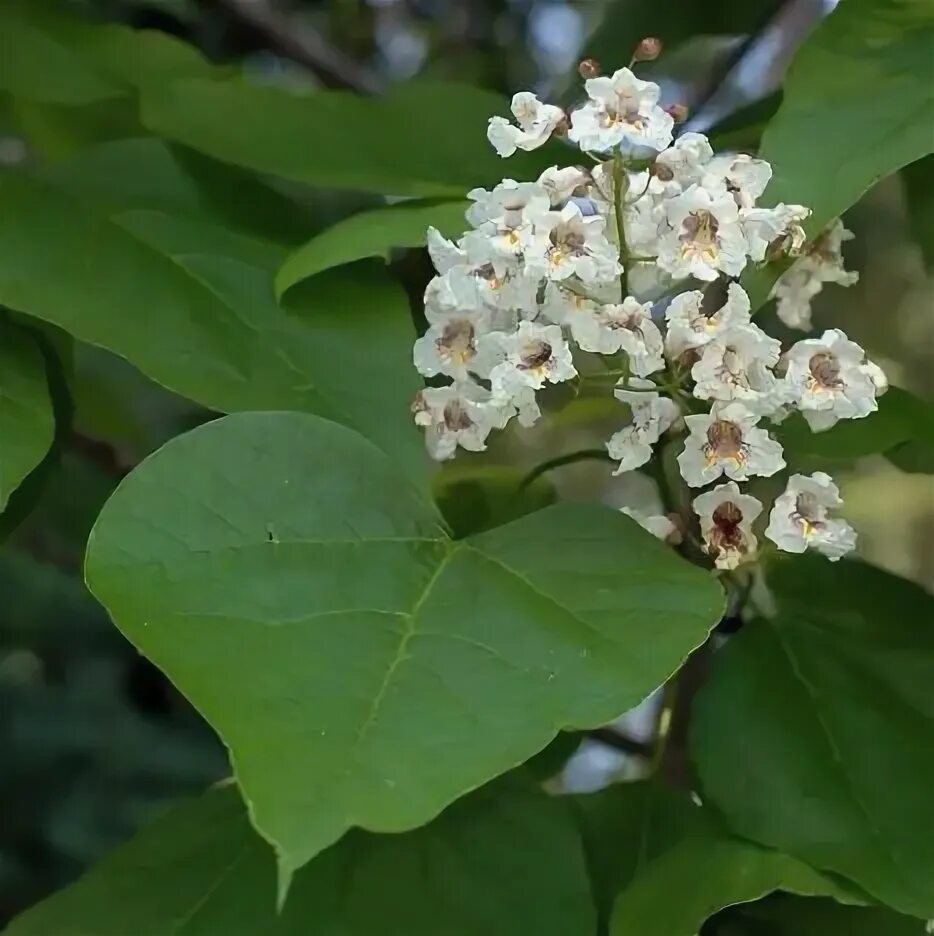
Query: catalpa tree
401,658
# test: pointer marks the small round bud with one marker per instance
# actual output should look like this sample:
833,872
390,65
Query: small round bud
648,50
662,173
589,68
679,112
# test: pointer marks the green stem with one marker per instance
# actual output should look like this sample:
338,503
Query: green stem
570,458
620,185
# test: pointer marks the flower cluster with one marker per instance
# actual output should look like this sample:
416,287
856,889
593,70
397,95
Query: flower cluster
635,258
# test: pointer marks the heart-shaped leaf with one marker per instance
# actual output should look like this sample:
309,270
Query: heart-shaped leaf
364,668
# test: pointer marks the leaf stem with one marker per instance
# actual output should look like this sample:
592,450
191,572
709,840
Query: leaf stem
569,458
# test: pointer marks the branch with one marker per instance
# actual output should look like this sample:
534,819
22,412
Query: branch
620,742
302,43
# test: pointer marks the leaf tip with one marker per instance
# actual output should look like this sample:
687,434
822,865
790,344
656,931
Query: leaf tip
285,872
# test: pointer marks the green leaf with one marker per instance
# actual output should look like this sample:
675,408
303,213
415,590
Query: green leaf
27,423
422,139
882,48
39,67
814,917
626,825
145,172
858,104
52,57
673,894
499,863
138,58
895,421
914,457
363,668
916,454
58,131
192,306
371,234
813,733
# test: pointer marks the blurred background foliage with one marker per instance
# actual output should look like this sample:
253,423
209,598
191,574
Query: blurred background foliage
93,738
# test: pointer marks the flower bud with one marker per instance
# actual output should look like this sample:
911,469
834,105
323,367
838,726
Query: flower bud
662,173
679,112
648,50
589,68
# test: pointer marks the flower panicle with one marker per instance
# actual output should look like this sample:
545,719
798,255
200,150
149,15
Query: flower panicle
606,258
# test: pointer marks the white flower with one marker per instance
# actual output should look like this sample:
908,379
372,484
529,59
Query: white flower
800,518
463,289
461,414
561,184
744,177
652,414
507,223
684,163
644,219
829,379
510,205
726,441
522,400
577,246
537,121
658,525
726,519
737,365
454,291
608,327
705,236
622,111
632,326
449,346
821,262
795,289
445,254
764,226
532,356
691,326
